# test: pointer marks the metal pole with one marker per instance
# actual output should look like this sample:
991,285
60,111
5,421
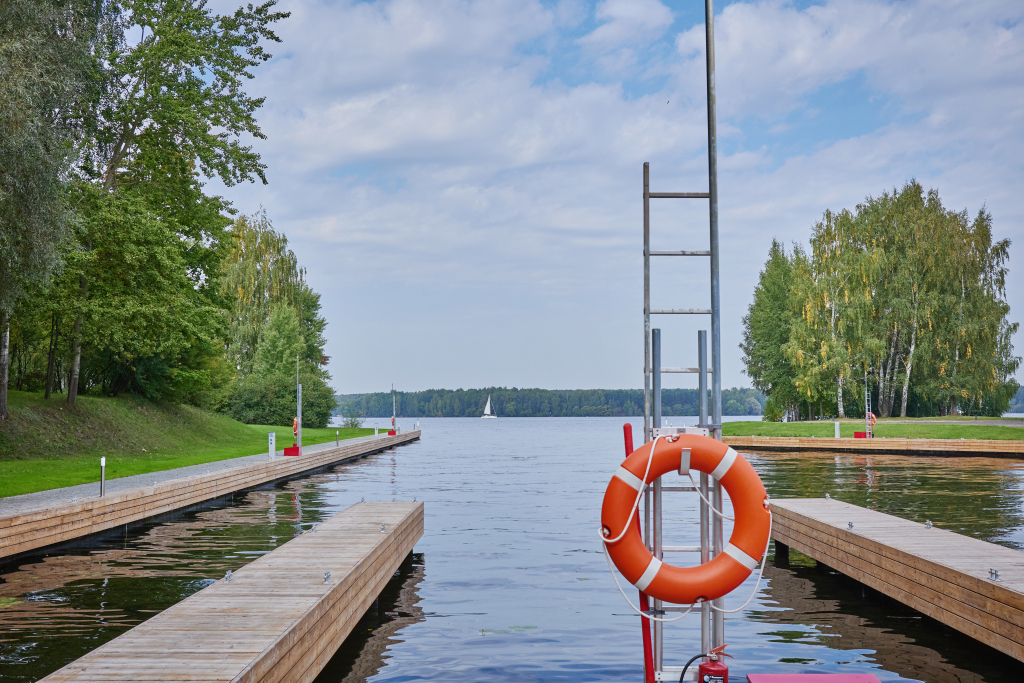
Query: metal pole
300,419
716,299
702,378
647,302
705,546
657,606
647,341
718,619
103,477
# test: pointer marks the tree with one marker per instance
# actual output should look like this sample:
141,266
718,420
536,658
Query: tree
170,110
271,400
903,292
43,58
261,272
145,326
281,343
766,329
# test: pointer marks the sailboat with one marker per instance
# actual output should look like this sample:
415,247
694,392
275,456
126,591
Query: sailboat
487,410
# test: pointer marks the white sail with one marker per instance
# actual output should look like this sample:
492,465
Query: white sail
487,409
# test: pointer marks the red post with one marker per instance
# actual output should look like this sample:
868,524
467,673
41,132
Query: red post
627,432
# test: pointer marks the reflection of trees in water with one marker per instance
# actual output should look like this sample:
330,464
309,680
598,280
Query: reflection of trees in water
844,613
978,497
363,654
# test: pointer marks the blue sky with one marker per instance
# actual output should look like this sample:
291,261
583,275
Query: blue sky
463,179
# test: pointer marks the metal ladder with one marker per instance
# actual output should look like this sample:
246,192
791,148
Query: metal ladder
712,622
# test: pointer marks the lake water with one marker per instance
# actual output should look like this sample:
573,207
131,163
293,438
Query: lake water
509,582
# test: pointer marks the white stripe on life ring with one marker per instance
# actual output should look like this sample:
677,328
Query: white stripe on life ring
741,557
634,481
727,460
652,570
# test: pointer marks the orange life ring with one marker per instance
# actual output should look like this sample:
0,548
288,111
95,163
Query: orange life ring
872,419
721,575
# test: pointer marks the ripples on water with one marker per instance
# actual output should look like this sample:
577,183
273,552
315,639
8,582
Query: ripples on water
509,582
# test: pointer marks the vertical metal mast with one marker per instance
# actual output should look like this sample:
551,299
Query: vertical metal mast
717,618
647,302
716,295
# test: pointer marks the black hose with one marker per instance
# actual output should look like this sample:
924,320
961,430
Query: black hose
692,659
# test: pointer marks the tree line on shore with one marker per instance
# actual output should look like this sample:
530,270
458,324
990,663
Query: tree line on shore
515,402
902,296
119,271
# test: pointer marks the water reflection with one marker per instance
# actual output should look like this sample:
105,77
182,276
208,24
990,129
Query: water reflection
848,616
58,605
979,497
365,652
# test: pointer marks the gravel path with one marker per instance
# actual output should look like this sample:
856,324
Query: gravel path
14,504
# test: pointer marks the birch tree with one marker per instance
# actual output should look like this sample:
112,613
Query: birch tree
908,294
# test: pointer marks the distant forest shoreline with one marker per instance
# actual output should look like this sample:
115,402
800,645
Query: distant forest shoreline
540,402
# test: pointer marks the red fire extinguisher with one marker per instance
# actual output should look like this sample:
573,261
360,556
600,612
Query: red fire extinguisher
714,669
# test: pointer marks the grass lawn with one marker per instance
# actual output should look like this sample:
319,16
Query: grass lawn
920,430
47,445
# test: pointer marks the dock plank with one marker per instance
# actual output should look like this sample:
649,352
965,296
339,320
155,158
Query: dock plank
940,573
276,621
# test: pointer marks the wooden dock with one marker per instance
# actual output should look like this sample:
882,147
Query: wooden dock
27,530
940,573
276,621
937,447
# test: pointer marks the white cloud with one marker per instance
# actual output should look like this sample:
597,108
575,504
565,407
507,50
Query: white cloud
627,22
471,218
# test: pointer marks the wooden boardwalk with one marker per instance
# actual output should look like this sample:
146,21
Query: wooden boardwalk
940,573
27,530
936,447
276,621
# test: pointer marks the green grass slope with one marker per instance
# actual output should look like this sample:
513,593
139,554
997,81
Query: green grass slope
920,430
47,445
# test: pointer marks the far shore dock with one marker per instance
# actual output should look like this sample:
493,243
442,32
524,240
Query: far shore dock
934,447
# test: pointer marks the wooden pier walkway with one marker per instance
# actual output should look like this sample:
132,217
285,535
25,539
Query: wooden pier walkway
936,447
26,530
940,573
276,621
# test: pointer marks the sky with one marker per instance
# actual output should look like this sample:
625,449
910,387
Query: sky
463,180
